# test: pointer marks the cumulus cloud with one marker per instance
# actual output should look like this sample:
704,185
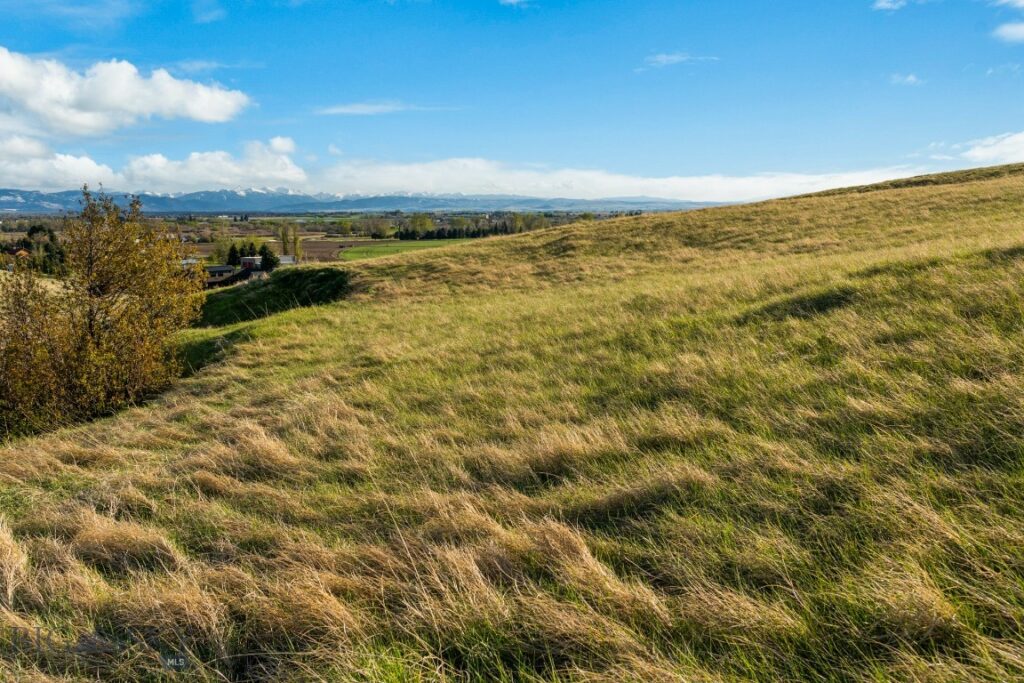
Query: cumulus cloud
282,145
51,97
28,163
262,164
21,147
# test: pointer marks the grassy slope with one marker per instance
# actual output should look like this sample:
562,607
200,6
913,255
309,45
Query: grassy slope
769,442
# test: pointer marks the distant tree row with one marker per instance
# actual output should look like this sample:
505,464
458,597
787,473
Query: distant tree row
423,227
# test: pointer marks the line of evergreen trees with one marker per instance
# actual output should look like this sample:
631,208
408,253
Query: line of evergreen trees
236,253
268,259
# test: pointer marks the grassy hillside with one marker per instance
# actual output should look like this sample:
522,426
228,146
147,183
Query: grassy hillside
769,442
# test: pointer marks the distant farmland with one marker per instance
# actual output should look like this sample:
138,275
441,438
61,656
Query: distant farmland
387,248
316,250
327,250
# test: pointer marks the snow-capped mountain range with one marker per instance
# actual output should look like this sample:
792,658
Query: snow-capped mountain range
283,201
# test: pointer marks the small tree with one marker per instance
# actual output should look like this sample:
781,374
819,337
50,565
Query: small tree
104,337
268,259
296,243
281,231
420,224
234,258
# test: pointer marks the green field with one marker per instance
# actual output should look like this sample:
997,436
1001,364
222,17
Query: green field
773,442
390,248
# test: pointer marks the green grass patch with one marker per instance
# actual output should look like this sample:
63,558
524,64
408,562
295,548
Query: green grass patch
391,248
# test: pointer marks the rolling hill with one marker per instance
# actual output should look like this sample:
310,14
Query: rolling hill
781,441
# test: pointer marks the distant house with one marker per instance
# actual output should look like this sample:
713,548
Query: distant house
189,262
252,262
216,275
287,260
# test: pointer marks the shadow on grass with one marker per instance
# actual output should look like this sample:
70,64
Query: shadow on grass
804,306
1004,254
286,289
202,348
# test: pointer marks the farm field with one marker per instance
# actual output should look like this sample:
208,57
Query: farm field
391,247
772,442
316,250
326,250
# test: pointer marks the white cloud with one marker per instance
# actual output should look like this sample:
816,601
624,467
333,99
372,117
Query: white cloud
195,66
334,150
906,79
48,96
1011,69
998,149
77,14
665,59
1011,33
282,145
28,164
668,59
260,165
1011,3
21,147
889,4
483,176
207,11
370,108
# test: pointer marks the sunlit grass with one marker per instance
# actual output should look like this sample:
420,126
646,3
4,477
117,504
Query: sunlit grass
375,250
775,442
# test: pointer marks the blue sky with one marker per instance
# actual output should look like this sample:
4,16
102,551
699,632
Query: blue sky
673,98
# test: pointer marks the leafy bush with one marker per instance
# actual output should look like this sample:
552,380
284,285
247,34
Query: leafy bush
102,337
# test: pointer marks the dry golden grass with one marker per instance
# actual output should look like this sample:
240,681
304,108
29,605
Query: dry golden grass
769,442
